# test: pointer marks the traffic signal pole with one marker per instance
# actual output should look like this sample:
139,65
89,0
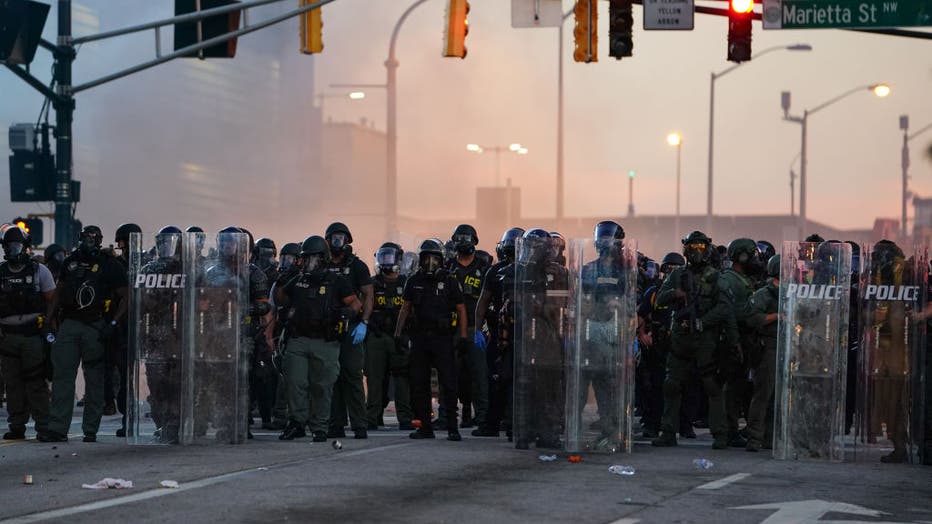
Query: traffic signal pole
64,120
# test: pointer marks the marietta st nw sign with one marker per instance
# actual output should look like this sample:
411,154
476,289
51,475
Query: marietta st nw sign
821,14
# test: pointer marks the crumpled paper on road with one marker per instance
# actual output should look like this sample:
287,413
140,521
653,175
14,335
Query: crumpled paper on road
109,483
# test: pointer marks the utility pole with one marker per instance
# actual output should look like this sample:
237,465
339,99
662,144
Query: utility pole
64,119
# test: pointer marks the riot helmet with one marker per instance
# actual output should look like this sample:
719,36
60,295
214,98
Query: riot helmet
557,248
288,256
449,252
430,256
855,256
409,262
887,260
671,259
608,236
766,250
121,237
231,244
535,246
697,248
315,254
773,266
90,240
265,252
465,239
16,244
200,237
744,251
54,255
168,242
338,237
506,247
389,257
815,238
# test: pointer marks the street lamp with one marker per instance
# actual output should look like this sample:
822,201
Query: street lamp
879,90
676,140
355,95
515,148
715,76
904,162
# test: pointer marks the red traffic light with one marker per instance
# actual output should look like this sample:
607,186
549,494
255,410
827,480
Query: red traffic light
741,6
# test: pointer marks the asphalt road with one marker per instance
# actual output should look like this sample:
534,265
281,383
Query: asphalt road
390,478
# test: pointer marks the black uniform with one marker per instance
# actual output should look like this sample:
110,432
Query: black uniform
348,392
472,379
433,300
263,379
382,358
499,282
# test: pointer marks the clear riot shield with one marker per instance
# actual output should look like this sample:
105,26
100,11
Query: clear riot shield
541,333
600,356
888,416
157,370
217,320
812,341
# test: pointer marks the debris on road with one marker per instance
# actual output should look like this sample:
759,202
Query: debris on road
27,479
703,464
547,458
109,483
169,484
575,459
337,444
621,470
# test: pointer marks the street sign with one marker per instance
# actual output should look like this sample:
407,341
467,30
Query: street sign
536,13
811,14
670,15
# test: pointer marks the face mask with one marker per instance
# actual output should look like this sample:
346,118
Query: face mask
15,252
167,246
337,241
287,261
89,245
312,263
430,264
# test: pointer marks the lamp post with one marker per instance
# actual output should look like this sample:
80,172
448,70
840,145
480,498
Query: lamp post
715,76
355,95
880,90
904,163
675,140
515,148
631,194
560,119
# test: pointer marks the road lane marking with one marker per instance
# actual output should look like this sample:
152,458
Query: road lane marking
187,486
722,482
626,521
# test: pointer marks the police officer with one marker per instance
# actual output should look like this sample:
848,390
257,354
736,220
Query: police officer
762,316
739,351
26,304
319,305
701,311
431,297
654,344
162,347
382,358
472,370
263,380
53,257
603,284
223,272
88,279
497,287
543,284
348,392
117,346
288,263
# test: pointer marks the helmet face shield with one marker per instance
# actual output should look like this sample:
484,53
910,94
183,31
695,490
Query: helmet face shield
312,262
387,256
651,270
167,245
15,252
338,241
287,261
229,244
430,262
696,252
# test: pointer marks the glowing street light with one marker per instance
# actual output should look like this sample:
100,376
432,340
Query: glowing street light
674,139
475,148
514,147
357,95
881,90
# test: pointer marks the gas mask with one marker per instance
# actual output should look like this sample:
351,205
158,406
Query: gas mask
286,262
696,253
430,263
90,244
15,252
387,260
464,244
338,242
313,263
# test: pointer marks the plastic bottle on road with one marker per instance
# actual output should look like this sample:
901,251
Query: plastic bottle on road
703,463
621,470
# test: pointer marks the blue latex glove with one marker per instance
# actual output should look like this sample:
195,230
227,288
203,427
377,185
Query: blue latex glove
359,333
479,340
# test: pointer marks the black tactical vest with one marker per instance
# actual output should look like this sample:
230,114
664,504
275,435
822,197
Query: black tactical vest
19,292
387,303
312,308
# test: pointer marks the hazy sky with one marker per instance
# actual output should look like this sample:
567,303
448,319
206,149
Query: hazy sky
618,113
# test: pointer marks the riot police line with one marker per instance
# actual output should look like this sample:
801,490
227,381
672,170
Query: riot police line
819,352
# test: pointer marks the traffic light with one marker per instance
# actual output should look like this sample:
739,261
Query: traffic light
21,23
311,30
186,33
456,29
586,32
740,13
620,24
33,226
